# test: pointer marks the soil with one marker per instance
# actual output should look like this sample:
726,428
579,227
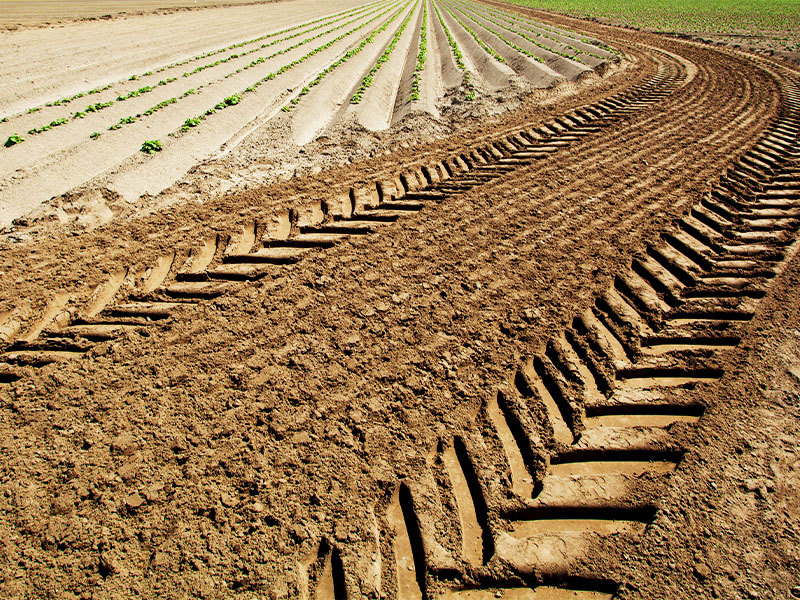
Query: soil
46,13
393,416
87,163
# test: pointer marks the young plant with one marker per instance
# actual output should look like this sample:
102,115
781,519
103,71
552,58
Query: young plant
13,140
151,146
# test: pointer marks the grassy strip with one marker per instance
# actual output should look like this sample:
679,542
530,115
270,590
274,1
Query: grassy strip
347,56
134,77
367,81
480,42
421,55
457,56
718,16
508,18
501,38
196,121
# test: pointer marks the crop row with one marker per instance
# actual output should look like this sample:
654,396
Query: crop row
457,56
501,37
192,122
347,56
71,98
539,25
519,23
480,42
573,57
151,110
159,106
92,108
197,57
305,41
421,55
147,89
526,24
366,82
196,121
274,42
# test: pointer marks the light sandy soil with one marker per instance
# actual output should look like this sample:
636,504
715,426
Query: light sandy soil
15,15
265,58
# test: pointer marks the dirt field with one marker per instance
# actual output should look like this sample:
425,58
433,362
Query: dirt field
90,94
41,13
553,353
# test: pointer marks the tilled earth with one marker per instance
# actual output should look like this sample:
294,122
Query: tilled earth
410,412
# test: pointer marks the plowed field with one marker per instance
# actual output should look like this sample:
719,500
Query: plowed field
257,74
550,354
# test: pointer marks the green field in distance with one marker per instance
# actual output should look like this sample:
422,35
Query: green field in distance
719,16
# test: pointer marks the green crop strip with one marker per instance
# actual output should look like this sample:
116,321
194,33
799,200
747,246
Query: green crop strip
263,46
367,81
519,23
143,90
147,113
539,28
573,57
502,38
457,56
195,121
421,55
56,123
538,25
480,42
288,49
347,56
135,93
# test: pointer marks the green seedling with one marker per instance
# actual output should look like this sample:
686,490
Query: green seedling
421,55
151,146
13,140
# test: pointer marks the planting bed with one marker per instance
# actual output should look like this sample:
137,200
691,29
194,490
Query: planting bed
554,354
258,82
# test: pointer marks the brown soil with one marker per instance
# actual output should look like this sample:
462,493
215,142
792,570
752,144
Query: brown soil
417,412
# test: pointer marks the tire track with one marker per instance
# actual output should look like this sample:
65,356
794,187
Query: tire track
618,378
186,278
